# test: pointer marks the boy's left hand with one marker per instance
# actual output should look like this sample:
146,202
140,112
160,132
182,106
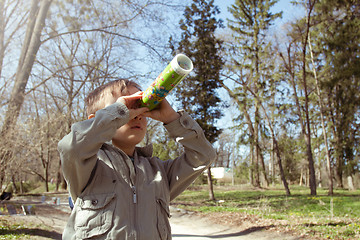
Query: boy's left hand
163,113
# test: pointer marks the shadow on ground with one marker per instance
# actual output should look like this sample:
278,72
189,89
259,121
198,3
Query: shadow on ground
31,232
220,236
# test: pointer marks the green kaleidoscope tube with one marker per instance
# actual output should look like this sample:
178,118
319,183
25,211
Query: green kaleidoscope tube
170,77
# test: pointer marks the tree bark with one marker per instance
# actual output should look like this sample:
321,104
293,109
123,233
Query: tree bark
350,183
210,184
307,136
328,161
2,35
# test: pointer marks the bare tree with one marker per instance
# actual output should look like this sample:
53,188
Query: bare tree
296,62
273,135
36,22
32,42
322,117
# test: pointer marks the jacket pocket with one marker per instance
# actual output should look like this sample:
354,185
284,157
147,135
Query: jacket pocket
94,215
163,215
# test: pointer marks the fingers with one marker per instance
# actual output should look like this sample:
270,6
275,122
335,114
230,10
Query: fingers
164,113
138,111
131,101
134,96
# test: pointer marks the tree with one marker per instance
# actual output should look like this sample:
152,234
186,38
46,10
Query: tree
30,47
198,91
271,128
249,26
225,150
11,13
164,146
337,50
296,64
32,42
306,128
329,168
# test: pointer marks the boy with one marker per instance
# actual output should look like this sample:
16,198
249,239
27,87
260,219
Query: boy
120,191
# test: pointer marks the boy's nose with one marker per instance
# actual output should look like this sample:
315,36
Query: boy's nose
138,117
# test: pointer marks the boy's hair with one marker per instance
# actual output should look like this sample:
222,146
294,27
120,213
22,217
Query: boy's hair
117,88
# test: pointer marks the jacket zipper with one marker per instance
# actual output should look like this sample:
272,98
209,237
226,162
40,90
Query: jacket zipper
134,193
134,217
134,196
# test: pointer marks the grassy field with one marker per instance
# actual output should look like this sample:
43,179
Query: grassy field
321,216
316,217
11,229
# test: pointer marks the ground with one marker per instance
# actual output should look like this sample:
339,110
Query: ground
51,215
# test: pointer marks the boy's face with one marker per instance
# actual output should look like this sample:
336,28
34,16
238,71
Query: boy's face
132,133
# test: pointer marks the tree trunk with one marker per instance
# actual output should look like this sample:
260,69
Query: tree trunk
328,162
21,187
210,184
350,183
251,168
46,176
272,163
29,50
282,174
60,181
263,170
339,168
256,146
312,174
27,59
320,175
307,132
2,36
256,167
15,190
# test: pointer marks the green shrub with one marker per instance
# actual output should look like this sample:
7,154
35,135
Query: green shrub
27,187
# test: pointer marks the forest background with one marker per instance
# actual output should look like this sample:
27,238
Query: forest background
281,104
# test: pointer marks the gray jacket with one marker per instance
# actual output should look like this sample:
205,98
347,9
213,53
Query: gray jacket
115,198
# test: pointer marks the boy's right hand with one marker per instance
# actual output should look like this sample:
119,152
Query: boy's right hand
131,102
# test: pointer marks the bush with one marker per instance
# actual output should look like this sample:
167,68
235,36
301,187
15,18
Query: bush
27,187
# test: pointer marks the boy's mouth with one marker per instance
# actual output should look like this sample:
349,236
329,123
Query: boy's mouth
136,127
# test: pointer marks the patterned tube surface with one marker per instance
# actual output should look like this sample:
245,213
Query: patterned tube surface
175,71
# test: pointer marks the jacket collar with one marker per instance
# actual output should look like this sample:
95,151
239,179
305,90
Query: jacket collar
146,151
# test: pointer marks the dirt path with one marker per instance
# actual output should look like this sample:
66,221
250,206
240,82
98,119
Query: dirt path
187,226
50,219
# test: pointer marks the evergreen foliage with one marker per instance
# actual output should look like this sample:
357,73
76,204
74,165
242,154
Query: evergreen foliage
336,38
198,92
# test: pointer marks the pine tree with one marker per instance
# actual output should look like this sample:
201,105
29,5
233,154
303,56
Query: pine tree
337,42
198,91
251,20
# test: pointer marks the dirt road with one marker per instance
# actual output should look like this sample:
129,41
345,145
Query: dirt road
185,226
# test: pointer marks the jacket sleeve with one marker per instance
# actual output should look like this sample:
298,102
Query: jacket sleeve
78,150
198,154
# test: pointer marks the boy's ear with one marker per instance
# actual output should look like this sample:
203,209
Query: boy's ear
91,116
